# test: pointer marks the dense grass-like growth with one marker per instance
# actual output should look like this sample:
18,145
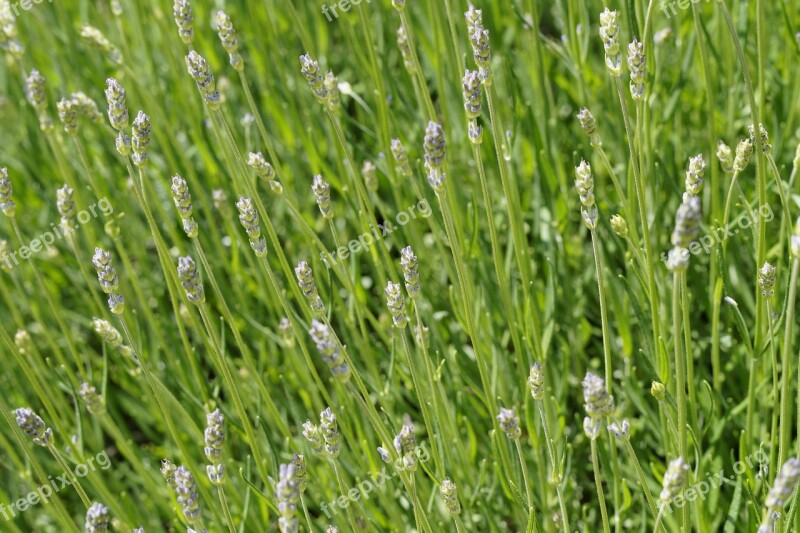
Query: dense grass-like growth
516,266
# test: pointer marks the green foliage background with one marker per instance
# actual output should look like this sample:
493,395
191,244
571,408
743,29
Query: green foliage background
547,63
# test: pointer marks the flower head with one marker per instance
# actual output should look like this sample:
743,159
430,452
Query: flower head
449,493
286,332
227,35
183,202
313,435
214,438
96,39
396,305
678,259
536,381
725,156
434,145
409,264
400,158
201,74
322,193
300,471
405,49
597,402
405,443
478,37
636,64
117,104
109,335
305,278
94,401
106,273
33,426
509,423
766,147
7,205
472,93
140,139
609,33
621,430
766,279
190,280
694,174
264,170
168,471
619,226
97,518
591,427
182,11
687,222
370,173
329,350
584,183
287,494
332,89
589,126
674,479
66,207
248,216
309,68
68,115
186,493
35,91
781,491
330,432
743,152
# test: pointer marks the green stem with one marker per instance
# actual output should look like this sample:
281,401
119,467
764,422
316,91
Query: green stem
598,262
240,342
689,352
556,476
343,490
68,471
680,364
528,490
785,424
223,502
499,269
516,221
680,379
599,484
56,311
233,390
648,245
642,480
421,397
423,85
